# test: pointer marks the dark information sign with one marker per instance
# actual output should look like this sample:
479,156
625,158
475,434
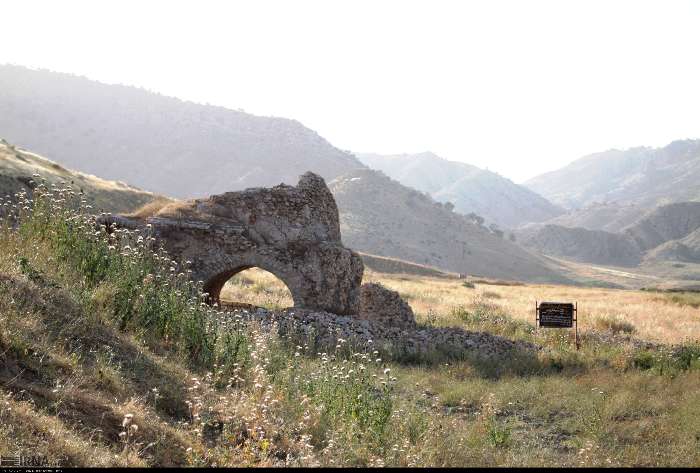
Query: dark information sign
556,314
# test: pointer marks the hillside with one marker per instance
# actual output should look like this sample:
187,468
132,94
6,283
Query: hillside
19,167
665,223
667,233
580,244
382,264
644,176
380,216
469,188
163,144
607,216
686,249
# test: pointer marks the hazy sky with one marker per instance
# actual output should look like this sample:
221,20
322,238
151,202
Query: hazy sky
520,87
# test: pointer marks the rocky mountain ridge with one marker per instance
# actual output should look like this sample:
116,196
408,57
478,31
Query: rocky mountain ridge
642,176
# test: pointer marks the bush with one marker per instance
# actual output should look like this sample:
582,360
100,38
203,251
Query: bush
670,362
483,315
614,324
498,435
491,295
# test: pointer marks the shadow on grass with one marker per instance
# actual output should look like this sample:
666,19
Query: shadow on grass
61,321
490,356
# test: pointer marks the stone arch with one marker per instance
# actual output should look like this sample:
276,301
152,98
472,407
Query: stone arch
292,232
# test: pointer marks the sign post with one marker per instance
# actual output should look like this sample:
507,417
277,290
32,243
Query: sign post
557,315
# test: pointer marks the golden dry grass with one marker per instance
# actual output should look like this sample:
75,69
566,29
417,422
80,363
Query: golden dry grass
257,287
151,208
661,317
110,196
655,316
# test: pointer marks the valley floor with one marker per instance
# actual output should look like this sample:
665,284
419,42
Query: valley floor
662,317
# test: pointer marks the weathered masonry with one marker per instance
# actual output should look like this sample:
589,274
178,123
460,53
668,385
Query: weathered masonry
291,231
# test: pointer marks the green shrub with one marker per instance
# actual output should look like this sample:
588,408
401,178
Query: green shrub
669,362
688,356
498,435
643,360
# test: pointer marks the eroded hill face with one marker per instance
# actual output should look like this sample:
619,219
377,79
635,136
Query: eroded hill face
607,216
469,188
637,207
580,244
669,233
380,216
18,168
686,249
666,223
159,143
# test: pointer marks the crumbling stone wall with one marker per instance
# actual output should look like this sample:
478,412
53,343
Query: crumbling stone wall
290,231
384,306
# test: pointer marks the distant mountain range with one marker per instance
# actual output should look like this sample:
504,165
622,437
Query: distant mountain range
636,208
640,176
469,188
159,143
384,217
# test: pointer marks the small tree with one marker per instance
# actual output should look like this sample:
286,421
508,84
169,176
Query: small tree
478,219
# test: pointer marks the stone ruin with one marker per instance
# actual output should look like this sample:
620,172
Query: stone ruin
290,231
293,232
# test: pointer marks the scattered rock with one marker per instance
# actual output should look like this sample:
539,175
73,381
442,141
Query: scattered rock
323,330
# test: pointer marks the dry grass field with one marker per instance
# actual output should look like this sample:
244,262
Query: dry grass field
609,404
654,316
257,287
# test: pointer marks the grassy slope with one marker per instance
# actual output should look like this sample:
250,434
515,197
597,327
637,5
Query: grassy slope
79,357
17,166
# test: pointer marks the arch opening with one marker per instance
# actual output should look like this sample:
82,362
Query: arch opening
251,287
